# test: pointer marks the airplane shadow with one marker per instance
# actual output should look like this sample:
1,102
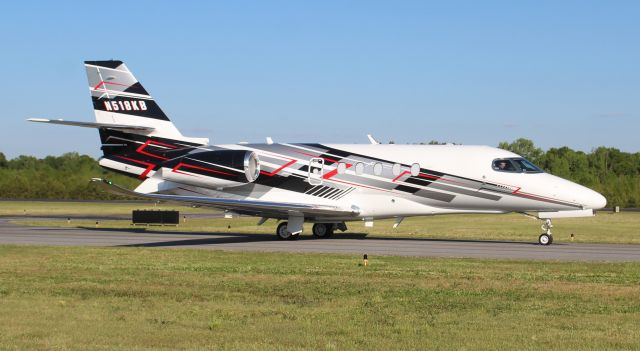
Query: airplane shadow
217,238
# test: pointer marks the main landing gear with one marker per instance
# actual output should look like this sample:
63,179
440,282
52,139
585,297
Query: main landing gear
319,230
546,238
322,230
283,232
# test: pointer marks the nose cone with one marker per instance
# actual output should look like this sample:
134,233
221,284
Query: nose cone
594,201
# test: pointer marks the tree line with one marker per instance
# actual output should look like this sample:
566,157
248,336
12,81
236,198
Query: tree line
613,173
63,177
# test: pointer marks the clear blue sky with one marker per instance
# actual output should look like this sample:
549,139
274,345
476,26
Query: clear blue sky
473,72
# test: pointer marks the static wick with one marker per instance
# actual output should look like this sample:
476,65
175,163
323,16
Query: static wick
365,260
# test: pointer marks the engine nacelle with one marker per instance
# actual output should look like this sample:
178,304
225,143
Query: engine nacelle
213,169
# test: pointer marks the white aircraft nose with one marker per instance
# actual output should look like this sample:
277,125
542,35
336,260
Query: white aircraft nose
595,201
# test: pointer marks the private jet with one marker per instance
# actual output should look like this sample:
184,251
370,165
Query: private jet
324,184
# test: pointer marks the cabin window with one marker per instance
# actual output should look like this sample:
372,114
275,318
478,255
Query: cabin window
396,169
359,168
515,165
415,169
342,168
377,169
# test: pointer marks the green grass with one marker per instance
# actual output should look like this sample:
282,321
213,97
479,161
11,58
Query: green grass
104,208
138,299
605,227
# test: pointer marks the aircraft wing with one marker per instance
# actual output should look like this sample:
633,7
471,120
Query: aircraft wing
92,124
254,207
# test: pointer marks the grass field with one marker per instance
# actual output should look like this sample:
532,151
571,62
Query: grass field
605,227
138,299
104,208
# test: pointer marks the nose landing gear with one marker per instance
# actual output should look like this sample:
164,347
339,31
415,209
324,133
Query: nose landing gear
546,238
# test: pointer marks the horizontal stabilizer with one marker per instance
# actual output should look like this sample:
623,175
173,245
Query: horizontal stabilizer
253,206
92,124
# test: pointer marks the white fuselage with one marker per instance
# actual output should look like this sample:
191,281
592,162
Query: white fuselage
466,181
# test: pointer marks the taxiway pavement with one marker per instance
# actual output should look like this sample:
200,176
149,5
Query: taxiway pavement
340,243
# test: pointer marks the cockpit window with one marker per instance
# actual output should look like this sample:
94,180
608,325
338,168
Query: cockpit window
526,166
515,165
504,165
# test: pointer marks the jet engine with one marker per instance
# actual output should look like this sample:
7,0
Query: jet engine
213,169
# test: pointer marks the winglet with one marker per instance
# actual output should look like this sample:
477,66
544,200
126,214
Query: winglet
372,140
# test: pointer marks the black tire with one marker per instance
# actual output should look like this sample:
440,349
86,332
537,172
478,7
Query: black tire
282,233
322,230
545,239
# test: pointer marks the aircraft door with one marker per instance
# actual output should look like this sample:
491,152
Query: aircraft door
316,171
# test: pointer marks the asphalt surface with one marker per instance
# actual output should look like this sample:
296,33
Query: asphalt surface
341,243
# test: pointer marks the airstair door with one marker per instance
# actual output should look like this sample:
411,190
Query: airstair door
316,171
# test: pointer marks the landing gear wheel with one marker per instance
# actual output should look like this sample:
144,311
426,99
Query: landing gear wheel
283,233
322,230
545,239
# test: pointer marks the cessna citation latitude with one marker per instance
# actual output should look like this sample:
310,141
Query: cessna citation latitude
325,184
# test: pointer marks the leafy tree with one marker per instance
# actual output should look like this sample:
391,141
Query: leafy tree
56,177
523,147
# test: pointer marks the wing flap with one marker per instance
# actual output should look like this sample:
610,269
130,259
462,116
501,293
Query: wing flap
253,206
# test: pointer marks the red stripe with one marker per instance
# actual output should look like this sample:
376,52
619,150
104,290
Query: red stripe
315,156
517,192
401,174
102,82
279,169
144,174
162,144
428,176
151,142
334,172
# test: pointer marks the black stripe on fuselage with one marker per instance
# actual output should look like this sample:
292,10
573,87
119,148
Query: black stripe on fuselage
407,189
299,185
418,181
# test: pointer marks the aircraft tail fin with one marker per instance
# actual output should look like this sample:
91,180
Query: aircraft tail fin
119,98
136,135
